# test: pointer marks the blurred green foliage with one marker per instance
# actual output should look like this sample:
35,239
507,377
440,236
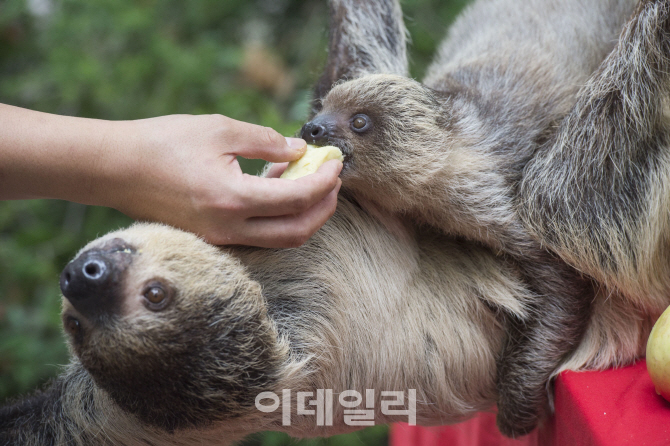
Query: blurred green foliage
132,59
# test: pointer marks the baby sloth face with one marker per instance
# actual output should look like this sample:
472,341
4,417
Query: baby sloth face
171,327
390,129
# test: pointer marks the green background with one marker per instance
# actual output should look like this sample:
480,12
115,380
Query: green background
131,59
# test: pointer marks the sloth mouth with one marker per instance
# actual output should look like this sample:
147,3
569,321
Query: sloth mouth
347,152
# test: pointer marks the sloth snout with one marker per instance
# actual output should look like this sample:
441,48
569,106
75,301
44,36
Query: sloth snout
85,280
91,282
86,274
314,132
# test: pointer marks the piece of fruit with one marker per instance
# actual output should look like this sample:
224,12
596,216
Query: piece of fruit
313,158
658,355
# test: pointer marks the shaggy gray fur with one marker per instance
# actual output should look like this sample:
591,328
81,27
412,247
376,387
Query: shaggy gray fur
451,152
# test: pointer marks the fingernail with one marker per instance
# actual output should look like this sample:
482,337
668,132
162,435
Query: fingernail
296,143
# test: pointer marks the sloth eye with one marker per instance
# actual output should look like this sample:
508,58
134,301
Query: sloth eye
360,123
73,326
156,296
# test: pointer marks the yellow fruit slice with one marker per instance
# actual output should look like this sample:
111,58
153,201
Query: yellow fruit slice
313,158
658,355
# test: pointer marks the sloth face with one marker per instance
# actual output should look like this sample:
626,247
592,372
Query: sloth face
171,327
384,124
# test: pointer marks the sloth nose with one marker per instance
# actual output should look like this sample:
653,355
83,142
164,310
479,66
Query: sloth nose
314,132
91,282
88,272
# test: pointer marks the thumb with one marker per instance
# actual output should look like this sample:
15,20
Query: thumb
258,142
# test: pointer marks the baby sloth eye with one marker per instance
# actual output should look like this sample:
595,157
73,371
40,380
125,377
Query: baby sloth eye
360,123
156,296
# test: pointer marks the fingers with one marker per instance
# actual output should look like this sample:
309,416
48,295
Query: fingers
292,230
258,142
276,170
271,197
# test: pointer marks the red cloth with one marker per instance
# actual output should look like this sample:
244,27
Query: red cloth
609,408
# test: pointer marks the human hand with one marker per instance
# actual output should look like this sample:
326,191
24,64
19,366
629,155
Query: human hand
182,170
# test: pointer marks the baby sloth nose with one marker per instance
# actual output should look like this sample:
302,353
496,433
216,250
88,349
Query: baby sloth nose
314,132
91,282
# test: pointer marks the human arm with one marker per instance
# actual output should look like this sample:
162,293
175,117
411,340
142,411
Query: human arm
180,169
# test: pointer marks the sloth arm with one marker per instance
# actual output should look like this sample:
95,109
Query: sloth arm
597,193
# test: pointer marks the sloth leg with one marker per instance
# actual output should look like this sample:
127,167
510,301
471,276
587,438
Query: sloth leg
536,346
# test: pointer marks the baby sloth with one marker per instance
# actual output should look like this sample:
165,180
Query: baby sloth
450,152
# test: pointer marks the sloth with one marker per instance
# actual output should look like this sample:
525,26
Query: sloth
452,152
174,340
